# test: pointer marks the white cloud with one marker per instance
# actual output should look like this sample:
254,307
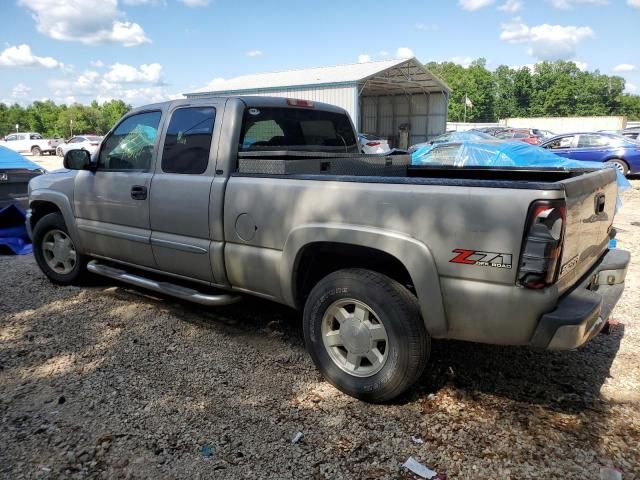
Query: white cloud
634,3
92,86
195,3
473,5
364,58
511,6
96,63
582,66
87,21
253,53
630,87
625,67
384,53
21,56
122,73
464,61
20,91
568,4
546,42
404,52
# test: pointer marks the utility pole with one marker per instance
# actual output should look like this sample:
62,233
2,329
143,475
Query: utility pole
17,128
71,126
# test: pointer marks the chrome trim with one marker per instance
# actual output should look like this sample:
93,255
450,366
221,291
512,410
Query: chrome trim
166,288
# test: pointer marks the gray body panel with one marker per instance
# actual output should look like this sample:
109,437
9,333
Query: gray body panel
247,233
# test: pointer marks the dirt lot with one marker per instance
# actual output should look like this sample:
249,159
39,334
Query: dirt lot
108,382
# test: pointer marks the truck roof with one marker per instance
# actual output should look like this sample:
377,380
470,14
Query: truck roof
248,100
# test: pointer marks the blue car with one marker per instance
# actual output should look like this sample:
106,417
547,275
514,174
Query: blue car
622,152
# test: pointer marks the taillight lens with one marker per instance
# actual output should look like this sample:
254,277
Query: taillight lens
295,102
373,144
542,243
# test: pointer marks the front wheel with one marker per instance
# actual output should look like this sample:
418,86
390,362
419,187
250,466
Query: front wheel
59,152
365,334
55,251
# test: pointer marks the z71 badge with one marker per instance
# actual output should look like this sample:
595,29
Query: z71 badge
482,259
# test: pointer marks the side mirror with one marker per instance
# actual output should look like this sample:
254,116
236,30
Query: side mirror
77,160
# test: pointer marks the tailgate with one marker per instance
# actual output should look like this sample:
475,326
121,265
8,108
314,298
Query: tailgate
591,203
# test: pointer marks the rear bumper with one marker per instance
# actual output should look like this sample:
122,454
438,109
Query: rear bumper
581,313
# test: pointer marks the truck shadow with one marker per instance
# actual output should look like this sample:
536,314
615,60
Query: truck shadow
567,381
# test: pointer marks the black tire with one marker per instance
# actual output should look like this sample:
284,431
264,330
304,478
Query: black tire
621,165
79,273
35,151
408,345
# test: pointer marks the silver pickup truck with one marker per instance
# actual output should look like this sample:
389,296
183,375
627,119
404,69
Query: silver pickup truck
211,199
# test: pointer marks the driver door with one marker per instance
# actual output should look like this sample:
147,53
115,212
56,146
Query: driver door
112,203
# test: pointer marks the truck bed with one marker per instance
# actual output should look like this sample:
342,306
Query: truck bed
396,169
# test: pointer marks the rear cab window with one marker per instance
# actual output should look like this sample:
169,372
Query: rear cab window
188,140
306,129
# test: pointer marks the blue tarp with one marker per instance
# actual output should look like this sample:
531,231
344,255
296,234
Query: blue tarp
475,149
11,159
13,233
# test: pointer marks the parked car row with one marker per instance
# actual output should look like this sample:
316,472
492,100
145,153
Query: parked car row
620,149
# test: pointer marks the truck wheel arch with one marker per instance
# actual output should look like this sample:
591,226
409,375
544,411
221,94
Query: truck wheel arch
43,202
414,256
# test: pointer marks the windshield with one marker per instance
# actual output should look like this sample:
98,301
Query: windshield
274,128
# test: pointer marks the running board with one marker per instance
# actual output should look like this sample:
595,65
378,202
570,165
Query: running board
172,289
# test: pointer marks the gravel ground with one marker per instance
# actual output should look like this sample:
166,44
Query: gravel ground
109,382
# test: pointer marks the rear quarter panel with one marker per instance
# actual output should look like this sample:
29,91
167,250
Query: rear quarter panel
443,218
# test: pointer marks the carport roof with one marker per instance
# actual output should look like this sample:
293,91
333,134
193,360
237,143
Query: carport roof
392,76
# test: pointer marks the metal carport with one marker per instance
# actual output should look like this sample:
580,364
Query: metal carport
380,96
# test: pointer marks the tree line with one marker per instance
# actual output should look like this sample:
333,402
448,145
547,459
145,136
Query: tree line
552,89
61,121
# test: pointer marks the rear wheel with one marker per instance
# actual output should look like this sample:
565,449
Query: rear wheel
55,251
365,334
35,151
621,165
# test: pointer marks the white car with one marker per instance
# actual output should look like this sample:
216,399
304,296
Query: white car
373,144
89,143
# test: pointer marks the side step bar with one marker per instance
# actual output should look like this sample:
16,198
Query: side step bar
172,289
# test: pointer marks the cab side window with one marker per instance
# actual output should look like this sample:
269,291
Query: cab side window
561,143
130,146
188,140
11,138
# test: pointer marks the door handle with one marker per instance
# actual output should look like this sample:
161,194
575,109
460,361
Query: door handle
139,192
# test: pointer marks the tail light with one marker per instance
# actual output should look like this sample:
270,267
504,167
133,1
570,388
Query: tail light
373,144
542,243
294,102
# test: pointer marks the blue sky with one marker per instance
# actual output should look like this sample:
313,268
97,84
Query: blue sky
151,50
